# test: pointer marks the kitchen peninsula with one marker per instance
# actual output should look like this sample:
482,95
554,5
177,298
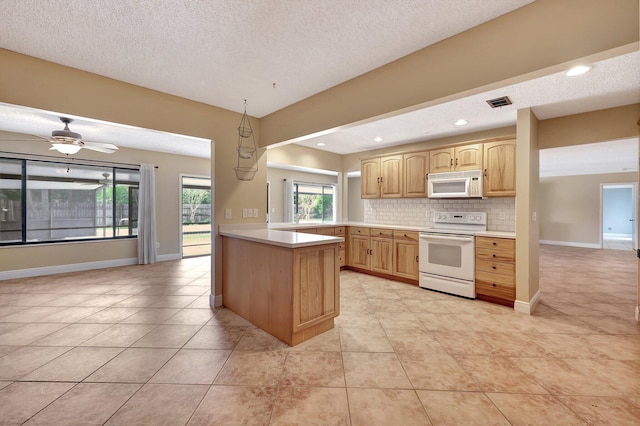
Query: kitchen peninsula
286,283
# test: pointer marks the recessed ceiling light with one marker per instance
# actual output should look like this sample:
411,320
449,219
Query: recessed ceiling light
578,70
378,139
321,144
461,122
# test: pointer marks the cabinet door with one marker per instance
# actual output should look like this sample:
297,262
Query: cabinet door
391,176
441,160
405,259
416,168
468,157
382,255
500,169
359,251
370,178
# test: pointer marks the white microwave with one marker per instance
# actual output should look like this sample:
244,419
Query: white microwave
455,184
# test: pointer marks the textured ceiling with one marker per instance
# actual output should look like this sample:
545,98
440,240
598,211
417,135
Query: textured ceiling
223,51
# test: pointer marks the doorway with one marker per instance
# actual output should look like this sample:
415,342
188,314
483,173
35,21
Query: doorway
196,216
619,216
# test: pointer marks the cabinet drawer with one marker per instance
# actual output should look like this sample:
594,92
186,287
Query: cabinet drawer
496,243
340,230
329,230
507,279
493,254
307,230
495,289
405,235
357,230
381,233
502,268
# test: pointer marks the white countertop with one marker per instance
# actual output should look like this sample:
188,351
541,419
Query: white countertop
290,240
279,238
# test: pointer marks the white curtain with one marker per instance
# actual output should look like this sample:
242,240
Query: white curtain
147,215
288,200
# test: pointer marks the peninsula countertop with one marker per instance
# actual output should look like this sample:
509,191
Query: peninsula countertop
276,237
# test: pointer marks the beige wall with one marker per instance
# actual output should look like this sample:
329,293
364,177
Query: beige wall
543,37
40,84
596,126
570,210
303,156
527,227
168,199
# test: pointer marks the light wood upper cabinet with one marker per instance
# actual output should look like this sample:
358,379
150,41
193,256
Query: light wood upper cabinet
500,169
381,177
416,169
441,160
458,159
391,176
468,157
370,178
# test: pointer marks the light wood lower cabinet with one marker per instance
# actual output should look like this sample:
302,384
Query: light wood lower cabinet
291,293
381,250
384,252
405,254
496,270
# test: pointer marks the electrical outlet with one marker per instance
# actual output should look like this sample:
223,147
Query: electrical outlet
157,244
227,213
501,216
255,212
244,213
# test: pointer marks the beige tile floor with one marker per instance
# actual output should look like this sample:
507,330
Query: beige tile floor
139,345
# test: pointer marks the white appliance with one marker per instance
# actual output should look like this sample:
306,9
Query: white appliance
447,253
455,184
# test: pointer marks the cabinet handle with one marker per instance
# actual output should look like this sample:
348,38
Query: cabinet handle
378,179
416,258
381,179
456,161
494,284
494,255
495,244
493,267
405,235
485,172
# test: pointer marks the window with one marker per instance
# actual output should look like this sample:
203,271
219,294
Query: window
45,201
313,202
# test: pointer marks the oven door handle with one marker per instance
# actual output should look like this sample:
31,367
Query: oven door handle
468,239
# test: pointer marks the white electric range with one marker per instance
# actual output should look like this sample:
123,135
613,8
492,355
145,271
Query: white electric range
447,253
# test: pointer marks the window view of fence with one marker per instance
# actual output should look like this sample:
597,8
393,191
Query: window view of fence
196,216
43,201
313,202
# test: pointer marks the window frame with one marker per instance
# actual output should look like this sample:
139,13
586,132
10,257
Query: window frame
24,202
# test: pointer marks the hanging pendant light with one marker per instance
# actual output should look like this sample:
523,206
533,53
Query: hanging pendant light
246,167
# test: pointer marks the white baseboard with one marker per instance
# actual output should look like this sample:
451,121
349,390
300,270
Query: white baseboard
570,244
527,307
165,257
71,267
77,267
215,301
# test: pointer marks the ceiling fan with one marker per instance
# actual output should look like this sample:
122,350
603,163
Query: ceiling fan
67,142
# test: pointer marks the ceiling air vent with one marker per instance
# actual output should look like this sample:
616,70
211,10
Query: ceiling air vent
499,102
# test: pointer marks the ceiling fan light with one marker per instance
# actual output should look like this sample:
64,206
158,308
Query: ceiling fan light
66,148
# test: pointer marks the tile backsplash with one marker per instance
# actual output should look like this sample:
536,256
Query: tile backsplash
501,211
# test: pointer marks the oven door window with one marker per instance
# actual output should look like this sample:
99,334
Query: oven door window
445,255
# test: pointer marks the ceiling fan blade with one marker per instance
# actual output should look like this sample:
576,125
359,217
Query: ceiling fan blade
100,149
99,145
